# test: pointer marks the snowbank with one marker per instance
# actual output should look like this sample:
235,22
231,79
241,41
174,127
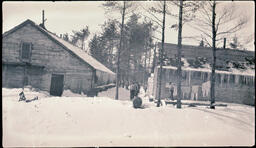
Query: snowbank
69,93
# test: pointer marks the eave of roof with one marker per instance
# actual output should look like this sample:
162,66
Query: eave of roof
209,70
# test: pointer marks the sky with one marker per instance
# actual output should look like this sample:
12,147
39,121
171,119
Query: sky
63,17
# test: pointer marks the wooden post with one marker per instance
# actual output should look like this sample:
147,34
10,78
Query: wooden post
43,20
224,44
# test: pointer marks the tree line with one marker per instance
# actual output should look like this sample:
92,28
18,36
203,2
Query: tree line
127,46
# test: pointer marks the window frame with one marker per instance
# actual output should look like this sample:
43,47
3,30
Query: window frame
21,51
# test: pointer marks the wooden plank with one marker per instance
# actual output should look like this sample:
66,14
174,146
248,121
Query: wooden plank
193,104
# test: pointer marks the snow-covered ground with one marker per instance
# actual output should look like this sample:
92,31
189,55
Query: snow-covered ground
77,120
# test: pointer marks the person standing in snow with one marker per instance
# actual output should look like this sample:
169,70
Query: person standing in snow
137,85
171,90
138,88
132,90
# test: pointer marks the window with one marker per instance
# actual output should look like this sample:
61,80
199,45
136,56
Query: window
25,51
232,79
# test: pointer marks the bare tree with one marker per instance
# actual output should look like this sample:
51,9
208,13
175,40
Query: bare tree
212,93
227,22
159,8
179,55
215,24
122,7
161,55
187,9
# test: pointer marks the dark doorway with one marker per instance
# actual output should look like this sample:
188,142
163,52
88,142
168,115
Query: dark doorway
56,85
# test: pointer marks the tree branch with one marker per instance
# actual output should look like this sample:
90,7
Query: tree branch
235,28
151,13
207,34
159,24
207,14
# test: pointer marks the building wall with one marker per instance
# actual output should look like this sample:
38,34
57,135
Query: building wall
196,86
47,53
104,78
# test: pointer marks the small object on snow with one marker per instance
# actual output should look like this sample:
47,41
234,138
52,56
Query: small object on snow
191,105
137,102
151,99
128,135
36,98
212,106
93,92
22,96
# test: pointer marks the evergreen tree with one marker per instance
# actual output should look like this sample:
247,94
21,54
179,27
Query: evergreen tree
95,48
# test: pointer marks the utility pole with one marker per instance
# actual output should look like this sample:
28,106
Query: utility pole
179,56
161,58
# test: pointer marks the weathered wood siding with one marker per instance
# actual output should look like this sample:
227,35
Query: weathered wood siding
104,78
228,88
47,53
12,76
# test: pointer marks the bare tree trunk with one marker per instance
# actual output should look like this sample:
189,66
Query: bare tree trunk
128,69
145,66
179,56
109,54
154,60
212,93
149,58
161,58
118,54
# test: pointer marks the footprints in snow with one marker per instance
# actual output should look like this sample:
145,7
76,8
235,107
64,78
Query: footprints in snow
70,117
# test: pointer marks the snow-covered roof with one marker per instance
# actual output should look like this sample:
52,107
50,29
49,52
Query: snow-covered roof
68,46
207,68
234,72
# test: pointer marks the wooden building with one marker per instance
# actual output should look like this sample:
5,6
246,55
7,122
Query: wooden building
32,55
231,84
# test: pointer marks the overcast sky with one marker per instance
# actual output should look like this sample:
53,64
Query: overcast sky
63,17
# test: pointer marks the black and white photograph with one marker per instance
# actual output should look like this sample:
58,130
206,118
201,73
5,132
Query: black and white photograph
128,73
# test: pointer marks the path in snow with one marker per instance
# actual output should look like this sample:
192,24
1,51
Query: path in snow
124,94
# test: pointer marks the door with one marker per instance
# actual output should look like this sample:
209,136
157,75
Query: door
56,85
